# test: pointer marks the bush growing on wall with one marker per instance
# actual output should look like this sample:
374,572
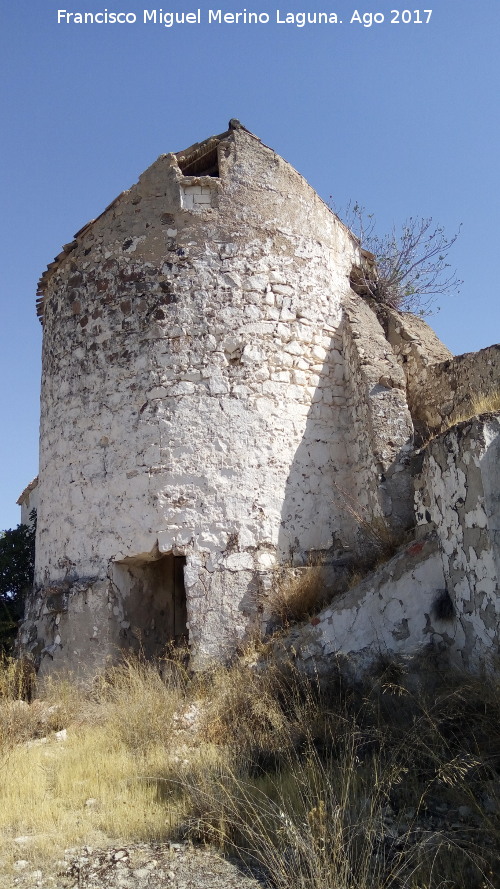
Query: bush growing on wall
410,263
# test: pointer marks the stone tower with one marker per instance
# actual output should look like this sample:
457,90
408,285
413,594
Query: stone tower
207,411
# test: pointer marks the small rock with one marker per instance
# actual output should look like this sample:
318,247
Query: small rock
20,864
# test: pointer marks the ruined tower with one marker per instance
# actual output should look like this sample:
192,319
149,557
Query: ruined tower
207,411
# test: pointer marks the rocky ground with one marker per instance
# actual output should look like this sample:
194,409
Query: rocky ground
136,866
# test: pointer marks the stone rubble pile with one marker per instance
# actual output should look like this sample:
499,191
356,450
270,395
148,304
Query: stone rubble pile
135,866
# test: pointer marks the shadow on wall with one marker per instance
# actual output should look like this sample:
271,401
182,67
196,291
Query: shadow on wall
311,520
151,604
341,496
490,475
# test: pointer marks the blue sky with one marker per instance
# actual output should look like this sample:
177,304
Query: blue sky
400,117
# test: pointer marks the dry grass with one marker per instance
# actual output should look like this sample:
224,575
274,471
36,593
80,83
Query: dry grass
374,786
297,593
481,403
102,779
17,678
380,787
485,404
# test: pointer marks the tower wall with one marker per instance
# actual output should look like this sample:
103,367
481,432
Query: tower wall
194,400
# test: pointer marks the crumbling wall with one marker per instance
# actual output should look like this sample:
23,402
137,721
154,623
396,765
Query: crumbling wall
447,390
28,501
440,387
214,392
391,612
441,591
190,392
380,433
414,343
459,491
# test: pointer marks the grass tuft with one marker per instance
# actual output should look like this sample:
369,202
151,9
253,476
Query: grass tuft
297,593
486,403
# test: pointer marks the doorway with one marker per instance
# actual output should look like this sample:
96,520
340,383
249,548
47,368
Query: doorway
154,604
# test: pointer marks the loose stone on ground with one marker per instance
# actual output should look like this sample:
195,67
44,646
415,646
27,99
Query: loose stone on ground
136,866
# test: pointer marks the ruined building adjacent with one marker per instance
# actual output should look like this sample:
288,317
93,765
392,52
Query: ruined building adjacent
219,399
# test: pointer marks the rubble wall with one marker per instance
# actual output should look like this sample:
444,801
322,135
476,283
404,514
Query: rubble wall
191,396
217,400
458,490
380,435
445,391
390,612
440,387
440,593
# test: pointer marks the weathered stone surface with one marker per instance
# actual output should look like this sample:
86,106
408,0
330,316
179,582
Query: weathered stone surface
398,608
458,490
439,386
388,612
170,419
216,400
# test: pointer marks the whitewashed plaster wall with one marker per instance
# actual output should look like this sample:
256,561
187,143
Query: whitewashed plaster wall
191,391
459,491
390,612
213,389
398,608
28,501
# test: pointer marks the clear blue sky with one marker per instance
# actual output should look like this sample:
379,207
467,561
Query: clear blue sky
402,117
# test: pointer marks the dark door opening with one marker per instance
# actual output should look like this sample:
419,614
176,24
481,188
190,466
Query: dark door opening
154,604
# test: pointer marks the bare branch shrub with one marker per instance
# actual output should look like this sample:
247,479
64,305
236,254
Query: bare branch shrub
410,268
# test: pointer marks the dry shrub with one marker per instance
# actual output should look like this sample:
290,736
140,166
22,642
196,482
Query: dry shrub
481,403
297,593
391,786
244,711
392,783
17,678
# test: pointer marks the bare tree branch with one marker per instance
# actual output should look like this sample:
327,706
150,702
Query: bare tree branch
411,267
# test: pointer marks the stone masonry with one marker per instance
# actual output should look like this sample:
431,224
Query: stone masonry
216,401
